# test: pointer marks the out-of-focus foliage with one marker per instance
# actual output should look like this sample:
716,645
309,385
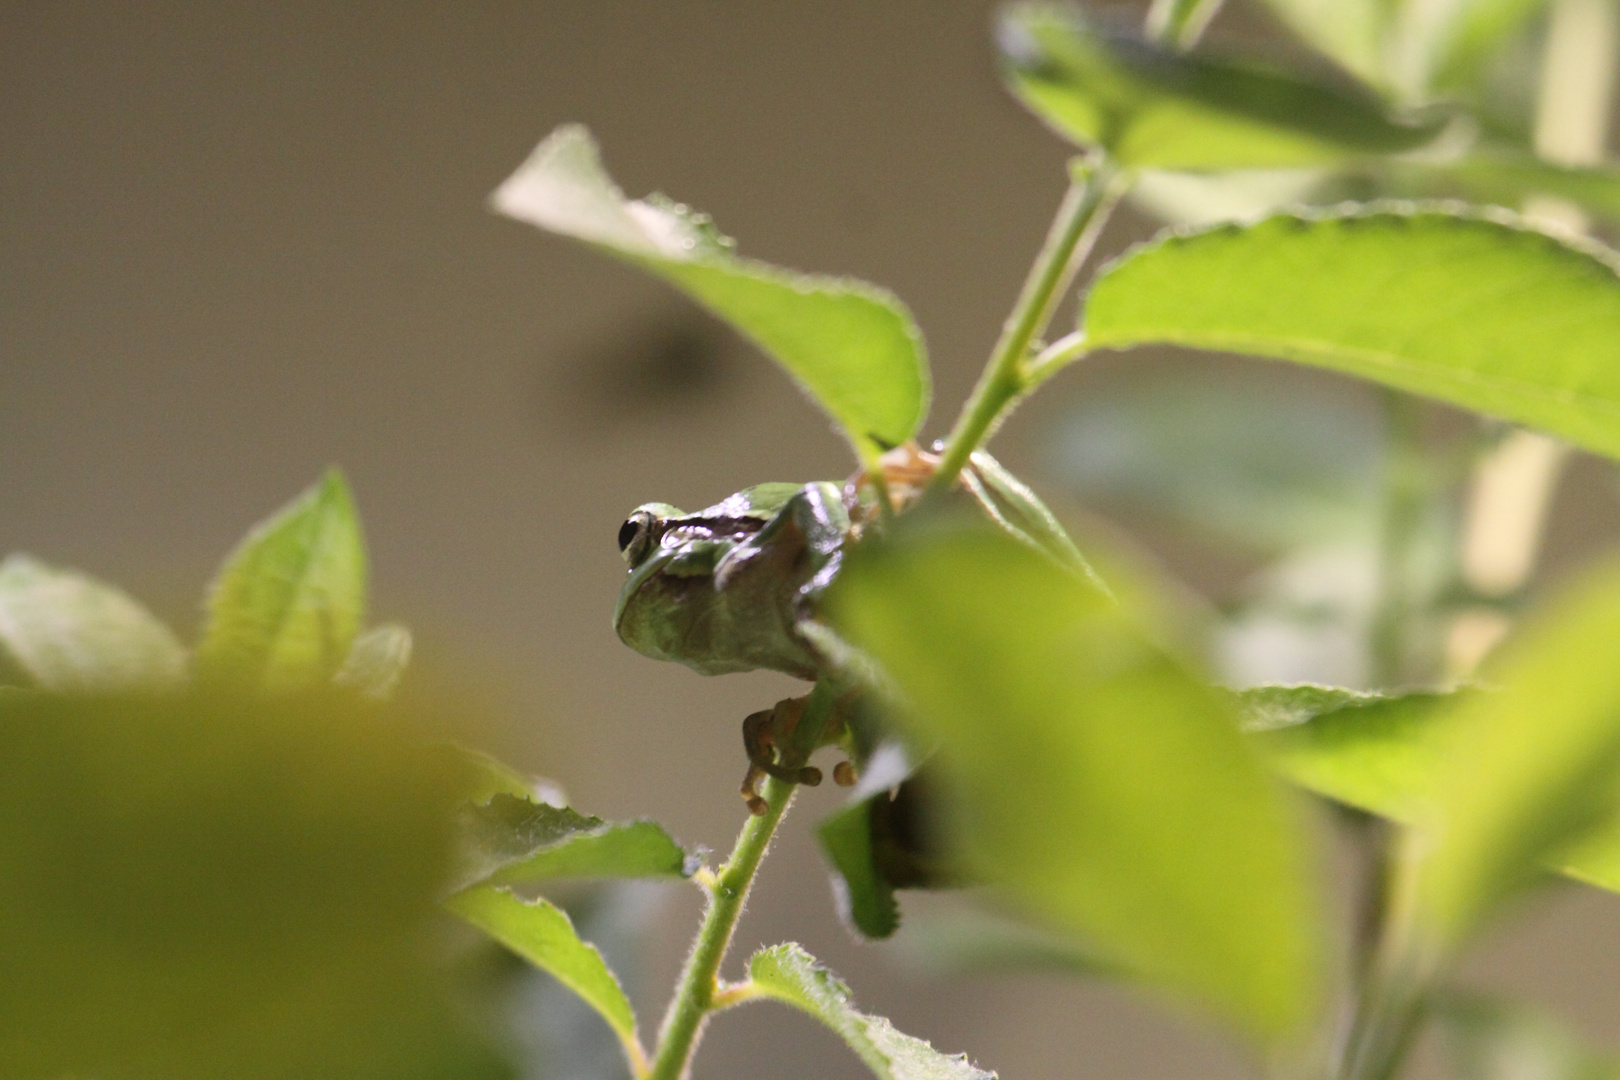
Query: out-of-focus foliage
66,631
1092,775
1150,107
204,884
289,602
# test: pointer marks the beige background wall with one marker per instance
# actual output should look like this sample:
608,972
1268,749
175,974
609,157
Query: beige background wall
239,241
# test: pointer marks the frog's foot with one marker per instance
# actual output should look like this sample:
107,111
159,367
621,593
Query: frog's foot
767,738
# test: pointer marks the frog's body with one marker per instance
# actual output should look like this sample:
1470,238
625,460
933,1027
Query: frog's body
736,587
727,588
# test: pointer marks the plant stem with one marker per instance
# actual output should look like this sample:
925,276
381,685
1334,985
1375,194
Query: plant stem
698,992
1084,210
695,993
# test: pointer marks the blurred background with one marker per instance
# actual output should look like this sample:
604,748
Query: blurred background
240,242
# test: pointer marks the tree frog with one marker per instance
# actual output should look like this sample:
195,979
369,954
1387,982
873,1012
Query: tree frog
735,587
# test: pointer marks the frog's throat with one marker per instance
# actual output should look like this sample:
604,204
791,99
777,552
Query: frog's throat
651,565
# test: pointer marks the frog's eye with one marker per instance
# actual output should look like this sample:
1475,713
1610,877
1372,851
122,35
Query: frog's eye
636,537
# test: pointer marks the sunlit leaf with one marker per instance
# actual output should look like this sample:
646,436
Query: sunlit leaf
542,934
791,975
1529,770
284,610
850,345
191,883
70,632
1091,775
376,661
1479,311
1158,109
1375,752
1387,754
509,840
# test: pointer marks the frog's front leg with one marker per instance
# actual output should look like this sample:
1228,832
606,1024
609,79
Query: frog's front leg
769,737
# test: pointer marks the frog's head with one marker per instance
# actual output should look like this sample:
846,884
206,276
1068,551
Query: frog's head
671,607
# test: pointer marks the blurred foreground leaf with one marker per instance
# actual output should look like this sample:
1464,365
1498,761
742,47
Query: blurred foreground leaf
541,933
850,345
197,886
1528,771
1479,311
791,975
285,608
69,632
1090,775
1151,107
509,840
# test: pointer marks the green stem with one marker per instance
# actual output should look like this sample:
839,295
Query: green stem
698,993
698,988
1085,209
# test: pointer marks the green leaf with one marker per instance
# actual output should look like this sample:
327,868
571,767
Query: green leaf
884,840
376,661
791,975
1104,786
1375,752
864,894
1477,310
1529,770
1157,109
197,885
851,346
542,934
1014,506
1385,755
285,608
509,840
71,633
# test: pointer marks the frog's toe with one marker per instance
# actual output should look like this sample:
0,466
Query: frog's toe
844,774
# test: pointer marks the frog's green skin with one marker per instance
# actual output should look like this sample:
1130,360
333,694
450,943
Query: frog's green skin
727,588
